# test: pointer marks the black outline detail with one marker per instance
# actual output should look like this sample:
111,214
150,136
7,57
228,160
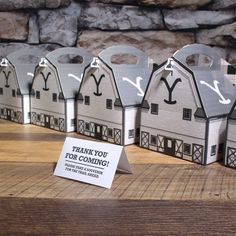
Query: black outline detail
170,90
97,93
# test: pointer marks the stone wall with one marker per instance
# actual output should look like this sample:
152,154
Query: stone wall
159,27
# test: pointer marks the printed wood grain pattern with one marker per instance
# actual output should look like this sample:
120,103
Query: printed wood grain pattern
30,143
163,196
148,182
26,216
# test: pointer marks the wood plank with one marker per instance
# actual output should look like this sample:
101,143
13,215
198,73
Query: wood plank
30,143
148,182
27,216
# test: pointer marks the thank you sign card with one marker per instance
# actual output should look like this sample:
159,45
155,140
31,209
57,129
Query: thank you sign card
91,162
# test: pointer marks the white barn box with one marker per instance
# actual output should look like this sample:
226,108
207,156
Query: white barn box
230,146
185,108
16,76
108,105
55,87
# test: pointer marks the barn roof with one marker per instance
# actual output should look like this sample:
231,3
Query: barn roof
131,79
216,93
69,63
24,62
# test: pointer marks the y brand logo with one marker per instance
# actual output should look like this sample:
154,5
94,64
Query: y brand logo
136,85
45,80
97,82
7,78
170,90
216,89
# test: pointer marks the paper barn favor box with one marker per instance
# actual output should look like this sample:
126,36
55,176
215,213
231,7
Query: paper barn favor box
230,147
185,107
16,76
108,104
55,86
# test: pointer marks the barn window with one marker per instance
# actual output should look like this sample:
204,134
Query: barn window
110,133
13,92
1,91
187,149
213,150
131,133
187,114
56,122
54,97
153,140
86,100
72,122
109,104
37,94
87,126
154,108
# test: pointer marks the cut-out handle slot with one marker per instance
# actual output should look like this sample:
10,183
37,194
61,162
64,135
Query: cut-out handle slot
124,55
194,55
124,59
200,60
70,56
70,59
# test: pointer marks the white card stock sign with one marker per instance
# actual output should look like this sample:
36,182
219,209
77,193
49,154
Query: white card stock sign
91,162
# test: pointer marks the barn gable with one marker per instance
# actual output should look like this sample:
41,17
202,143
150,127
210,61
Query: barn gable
185,106
69,75
216,92
111,93
55,87
24,62
131,79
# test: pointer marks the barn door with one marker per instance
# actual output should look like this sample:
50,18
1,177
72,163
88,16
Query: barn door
169,146
47,121
19,117
8,114
179,148
117,136
33,118
160,143
61,124
197,153
144,139
80,127
98,131
231,157
104,132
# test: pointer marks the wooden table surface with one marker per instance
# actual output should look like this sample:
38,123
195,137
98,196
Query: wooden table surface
163,196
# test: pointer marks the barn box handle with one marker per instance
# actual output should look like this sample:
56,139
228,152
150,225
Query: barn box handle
54,56
19,57
198,49
4,62
108,54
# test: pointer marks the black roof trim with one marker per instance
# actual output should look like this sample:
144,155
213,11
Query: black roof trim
117,103
80,97
145,104
233,115
199,113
